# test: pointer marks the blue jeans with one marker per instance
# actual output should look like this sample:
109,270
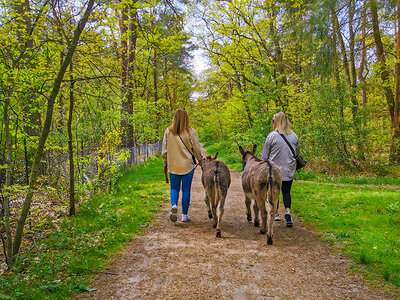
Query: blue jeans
186,181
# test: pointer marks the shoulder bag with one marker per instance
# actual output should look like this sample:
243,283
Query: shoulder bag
191,152
300,162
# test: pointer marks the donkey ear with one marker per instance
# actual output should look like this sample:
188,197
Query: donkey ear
241,150
216,155
254,149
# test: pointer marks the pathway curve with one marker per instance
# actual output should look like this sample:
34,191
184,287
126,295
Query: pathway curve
186,260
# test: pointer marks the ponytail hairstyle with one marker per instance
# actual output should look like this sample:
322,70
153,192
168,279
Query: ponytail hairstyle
180,123
282,123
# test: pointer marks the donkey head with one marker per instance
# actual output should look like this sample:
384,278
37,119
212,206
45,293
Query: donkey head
246,155
208,159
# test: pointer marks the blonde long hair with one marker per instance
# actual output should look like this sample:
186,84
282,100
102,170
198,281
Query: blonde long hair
180,123
282,123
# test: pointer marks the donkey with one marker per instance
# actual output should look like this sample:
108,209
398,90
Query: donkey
216,179
262,181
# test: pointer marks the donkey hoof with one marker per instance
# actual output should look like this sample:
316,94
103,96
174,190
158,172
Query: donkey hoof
210,214
218,234
256,223
269,241
249,218
215,226
263,231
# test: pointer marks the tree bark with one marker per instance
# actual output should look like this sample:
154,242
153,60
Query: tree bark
45,132
6,199
392,101
25,40
131,72
395,148
123,27
70,147
381,58
342,46
363,61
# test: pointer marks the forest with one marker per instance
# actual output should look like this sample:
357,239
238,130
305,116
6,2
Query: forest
83,83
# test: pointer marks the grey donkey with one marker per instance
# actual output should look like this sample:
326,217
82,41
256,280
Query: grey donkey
262,181
216,179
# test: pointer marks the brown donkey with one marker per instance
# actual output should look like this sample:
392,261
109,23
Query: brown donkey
216,179
261,180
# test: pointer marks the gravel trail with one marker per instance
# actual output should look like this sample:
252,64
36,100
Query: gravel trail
186,260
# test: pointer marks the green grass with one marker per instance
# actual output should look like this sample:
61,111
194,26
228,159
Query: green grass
364,223
84,244
359,180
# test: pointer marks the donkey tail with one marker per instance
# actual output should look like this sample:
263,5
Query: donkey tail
270,180
217,188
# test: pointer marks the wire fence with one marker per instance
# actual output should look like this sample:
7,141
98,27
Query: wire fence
141,152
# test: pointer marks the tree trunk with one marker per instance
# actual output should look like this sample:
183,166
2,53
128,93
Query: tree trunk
395,148
123,21
6,199
381,58
393,103
363,61
131,72
25,40
278,58
339,92
70,147
342,46
45,132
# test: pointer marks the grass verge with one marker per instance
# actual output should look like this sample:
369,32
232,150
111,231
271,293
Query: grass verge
62,264
362,222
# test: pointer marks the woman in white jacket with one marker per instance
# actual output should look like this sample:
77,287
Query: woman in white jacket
179,144
277,150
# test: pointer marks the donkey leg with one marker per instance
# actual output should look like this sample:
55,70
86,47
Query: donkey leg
213,208
260,201
272,207
248,209
263,212
207,201
220,212
256,217
270,221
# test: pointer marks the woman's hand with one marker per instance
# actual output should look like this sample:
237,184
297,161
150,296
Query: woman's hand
166,173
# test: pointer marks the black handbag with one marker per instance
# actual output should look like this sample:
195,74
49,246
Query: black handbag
300,162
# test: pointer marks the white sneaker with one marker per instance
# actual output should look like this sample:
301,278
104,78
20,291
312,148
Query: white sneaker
185,218
173,215
277,217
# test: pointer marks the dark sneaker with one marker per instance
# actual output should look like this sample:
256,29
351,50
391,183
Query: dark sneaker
277,217
173,215
288,219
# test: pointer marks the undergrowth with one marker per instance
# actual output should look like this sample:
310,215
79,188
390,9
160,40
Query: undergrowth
62,264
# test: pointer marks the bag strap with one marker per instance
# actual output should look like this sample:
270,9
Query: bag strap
187,147
290,146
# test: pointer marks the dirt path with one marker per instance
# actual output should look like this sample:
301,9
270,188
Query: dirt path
187,261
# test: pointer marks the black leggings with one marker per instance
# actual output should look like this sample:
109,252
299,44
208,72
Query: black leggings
287,199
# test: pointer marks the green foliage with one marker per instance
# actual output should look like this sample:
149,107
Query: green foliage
281,56
64,262
346,215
